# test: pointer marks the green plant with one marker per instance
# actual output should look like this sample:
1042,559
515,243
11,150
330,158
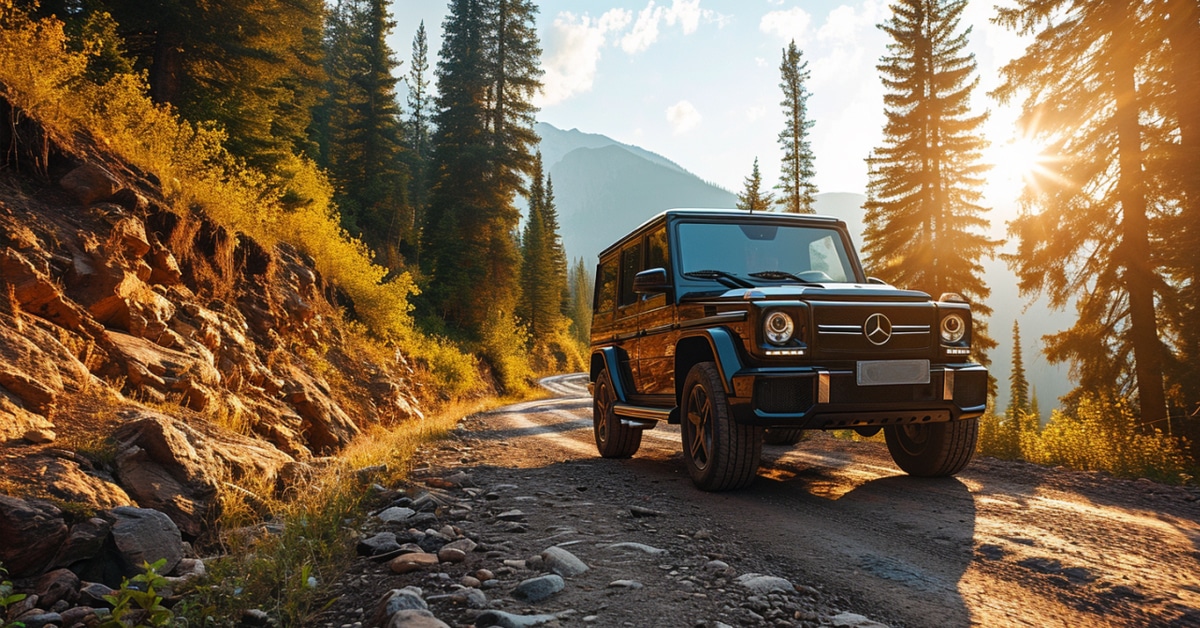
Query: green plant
137,602
8,598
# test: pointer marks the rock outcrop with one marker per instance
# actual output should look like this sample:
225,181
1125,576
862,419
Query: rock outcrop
151,358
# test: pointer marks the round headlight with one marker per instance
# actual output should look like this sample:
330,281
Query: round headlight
953,328
778,327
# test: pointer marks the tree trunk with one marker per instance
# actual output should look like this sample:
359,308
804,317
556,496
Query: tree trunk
166,73
1139,274
1183,32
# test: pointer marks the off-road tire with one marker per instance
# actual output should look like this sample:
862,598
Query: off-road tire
782,436
720,453
614,439
932,449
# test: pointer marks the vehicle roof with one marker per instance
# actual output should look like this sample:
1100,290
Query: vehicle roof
740,214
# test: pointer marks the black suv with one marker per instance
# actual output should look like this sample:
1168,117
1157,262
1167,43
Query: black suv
747,327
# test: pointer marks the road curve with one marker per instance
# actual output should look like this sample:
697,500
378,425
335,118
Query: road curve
1002,544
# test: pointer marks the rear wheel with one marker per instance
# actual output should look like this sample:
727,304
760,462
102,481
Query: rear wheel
932,449
720,453
782,436
614,439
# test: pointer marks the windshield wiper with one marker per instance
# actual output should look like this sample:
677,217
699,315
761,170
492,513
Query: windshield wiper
730,280
779,274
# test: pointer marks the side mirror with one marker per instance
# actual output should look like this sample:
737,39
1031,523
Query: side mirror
651,281
877,281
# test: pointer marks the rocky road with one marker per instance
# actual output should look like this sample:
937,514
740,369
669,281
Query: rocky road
859,543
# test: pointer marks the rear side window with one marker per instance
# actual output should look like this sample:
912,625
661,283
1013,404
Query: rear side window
656,250
606,286
631,264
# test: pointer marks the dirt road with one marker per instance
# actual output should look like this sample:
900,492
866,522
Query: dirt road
1002,544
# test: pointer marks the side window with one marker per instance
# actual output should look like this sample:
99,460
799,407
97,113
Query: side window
631,264
656,250
606,286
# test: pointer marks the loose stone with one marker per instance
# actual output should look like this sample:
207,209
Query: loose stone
539,588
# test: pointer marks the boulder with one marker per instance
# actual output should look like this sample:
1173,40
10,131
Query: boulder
32,532
15,420
59,584
176,468
85,541
90,183
143,535
71,481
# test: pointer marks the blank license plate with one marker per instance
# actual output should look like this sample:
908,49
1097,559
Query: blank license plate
892,372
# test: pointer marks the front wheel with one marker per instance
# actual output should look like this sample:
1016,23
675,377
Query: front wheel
614,439
932,449
720,453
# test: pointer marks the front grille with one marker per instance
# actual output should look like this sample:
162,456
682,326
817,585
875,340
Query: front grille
784,395
839,327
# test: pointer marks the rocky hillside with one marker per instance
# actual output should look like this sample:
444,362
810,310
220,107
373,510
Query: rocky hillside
150,359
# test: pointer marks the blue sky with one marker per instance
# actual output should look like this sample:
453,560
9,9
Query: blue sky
698,80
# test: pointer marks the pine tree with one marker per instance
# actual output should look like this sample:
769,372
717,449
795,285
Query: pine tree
924,225
515,75
487,75
257,80
364,150
1092,239
418,125
543,267
1181,77
752,197
581,285
1018,385
796,186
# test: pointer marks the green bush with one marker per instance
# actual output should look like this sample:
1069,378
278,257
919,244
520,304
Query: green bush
137,603
7,598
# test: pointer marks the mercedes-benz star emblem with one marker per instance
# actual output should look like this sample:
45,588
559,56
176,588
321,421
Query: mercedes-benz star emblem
877,329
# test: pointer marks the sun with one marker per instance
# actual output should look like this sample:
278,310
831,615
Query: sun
1016,162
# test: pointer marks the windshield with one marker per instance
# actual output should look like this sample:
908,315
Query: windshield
771,253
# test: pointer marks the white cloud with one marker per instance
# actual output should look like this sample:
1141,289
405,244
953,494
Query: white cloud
787,25
755,113
645,31
683,117
686,13
572,49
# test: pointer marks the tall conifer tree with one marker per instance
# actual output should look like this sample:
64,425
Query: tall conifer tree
1181,74
1018,385
796,186
420,109
924,224
259,80
753,197
1093,240
483,147
364,150
580,281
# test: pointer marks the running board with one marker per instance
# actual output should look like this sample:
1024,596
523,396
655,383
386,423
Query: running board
640,416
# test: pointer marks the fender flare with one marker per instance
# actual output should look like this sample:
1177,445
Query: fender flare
610,358
722,346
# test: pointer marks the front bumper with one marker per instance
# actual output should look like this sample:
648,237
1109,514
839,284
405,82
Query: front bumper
815,398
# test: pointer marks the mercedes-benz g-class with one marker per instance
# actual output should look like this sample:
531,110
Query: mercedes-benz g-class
749,326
